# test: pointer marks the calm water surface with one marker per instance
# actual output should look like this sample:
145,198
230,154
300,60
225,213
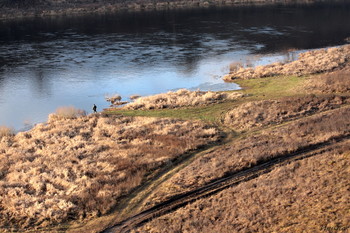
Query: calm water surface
52,62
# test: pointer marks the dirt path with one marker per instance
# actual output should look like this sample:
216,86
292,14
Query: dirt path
181,200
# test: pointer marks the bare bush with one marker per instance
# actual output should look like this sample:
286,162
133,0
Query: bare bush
311,195
311,62
181,98
67,112
265,112
80,168
115,99
134,97
6,131
235,66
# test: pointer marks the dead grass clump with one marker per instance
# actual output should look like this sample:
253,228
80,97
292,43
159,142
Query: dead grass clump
134,97
247,152
311,62
235,66
335,82
80,168
311,195
115,99
181,98
265,112
6,131
67,112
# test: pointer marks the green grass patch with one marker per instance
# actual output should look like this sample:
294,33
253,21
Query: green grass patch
272,87
209,113
255,89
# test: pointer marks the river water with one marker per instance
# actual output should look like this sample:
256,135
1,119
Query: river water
62,61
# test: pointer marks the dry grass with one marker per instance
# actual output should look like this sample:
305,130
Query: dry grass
311,195
335,82
235,66
255,149
265,112
181,98
114,99
67,112
134,97
6,131
79,168
312,62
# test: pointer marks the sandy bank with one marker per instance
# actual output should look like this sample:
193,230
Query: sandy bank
312,62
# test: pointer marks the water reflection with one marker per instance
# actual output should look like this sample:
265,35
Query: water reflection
40,87
78,60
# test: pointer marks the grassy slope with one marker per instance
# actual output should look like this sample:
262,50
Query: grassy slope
310,195
212,114
185,219
255,89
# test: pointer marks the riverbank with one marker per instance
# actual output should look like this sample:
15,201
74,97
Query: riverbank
277,118
311,62
96,170
50,8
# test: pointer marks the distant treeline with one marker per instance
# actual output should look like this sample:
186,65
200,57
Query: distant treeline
29,8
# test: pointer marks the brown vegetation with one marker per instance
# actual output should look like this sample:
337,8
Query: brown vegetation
79,168
181,98
6,131
265,112
335,82
252,150
115,99
311,62
311,195
67,112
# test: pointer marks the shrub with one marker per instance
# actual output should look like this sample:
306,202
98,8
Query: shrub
134,97
69,112
6,131
114,99
235,66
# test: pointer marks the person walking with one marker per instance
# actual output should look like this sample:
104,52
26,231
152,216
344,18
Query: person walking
94,108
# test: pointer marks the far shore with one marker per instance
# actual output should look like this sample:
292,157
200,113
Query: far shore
49,8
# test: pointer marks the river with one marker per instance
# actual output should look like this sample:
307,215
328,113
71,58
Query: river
46,63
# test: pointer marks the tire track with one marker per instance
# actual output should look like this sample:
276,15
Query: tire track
214,187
